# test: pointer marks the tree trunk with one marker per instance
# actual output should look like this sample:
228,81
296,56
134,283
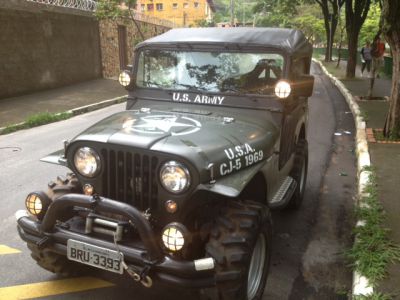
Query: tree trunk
392,126
356,13
352,60
391,30
328,49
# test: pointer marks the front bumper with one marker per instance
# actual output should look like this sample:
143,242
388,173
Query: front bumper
48,235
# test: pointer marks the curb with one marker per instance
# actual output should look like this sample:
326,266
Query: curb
361,285
82,110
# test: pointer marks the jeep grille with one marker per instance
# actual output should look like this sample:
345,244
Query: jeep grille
131,178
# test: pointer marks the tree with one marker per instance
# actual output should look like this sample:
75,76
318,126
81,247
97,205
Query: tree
341,37
331,17
356,13
311,26
391,30
371,24
275,13
114,9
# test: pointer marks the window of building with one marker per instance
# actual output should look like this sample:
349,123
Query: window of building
150,7
185,5
142,7
159,6
174,5
196,4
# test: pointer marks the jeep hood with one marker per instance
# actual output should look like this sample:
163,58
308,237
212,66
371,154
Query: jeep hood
201,137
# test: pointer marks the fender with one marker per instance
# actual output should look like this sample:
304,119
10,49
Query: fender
232,185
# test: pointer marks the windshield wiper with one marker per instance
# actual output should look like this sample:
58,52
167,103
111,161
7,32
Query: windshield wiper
191,87
149,83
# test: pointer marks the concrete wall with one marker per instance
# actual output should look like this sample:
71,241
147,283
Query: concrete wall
110,46
43,47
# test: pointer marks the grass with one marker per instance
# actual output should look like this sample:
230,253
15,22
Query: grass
364,115
373,250
37,120
374,296
392,137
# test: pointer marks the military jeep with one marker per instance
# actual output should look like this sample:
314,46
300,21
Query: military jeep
179,187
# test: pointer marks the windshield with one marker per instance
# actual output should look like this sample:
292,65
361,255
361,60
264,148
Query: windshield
219,72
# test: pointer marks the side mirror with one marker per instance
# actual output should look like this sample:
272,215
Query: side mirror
303,86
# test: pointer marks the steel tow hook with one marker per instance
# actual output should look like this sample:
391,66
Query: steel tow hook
143,278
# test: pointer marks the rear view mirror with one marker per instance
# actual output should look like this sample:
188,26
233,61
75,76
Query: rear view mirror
303,86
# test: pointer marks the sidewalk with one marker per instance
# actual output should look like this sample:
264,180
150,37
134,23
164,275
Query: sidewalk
17,109
385,159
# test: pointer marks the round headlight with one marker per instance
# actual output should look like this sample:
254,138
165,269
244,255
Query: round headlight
124,78
174,177
87,161
282,89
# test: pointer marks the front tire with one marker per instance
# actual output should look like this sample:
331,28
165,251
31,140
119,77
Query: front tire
240,243
299,173
49,260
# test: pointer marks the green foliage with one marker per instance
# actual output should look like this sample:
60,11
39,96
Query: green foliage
241,8
204,23
37,120
371,25
111,9
275,13
312,27
372,250
374,296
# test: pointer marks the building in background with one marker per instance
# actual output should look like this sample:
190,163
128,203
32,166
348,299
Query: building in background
182,12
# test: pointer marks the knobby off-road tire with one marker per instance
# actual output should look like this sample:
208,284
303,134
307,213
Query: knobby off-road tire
49,260
240,243
299,173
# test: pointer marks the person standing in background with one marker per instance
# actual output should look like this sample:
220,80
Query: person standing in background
378,49
366,57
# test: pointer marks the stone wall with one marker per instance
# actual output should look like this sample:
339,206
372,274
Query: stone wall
110,45
43,47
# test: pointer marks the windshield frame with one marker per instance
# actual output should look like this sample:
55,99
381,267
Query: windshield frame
248,99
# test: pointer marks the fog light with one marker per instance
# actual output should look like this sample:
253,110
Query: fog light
173,236
37,204
171,206
88,189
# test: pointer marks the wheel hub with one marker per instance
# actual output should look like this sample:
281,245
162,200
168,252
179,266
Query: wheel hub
256,268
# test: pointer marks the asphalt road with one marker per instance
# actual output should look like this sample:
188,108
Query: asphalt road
307,259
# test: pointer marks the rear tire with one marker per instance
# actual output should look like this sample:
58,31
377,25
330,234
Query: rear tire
299,173
45,258
240,244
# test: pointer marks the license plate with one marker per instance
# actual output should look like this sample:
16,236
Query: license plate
95,256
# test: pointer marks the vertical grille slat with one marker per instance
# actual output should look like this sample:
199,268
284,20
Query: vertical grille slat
145,181
130,177
106,186
111,177
120,176
153,184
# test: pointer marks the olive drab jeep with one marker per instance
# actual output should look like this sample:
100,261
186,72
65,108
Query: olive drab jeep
179,186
